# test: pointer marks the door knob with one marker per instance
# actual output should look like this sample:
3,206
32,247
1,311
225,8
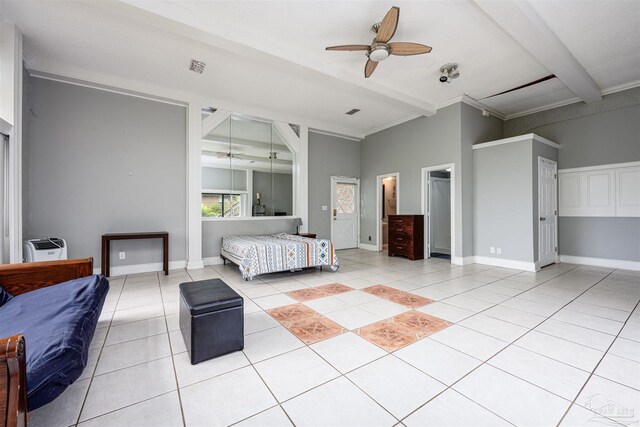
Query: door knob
543,218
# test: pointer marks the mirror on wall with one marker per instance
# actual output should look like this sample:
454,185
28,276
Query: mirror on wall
247,170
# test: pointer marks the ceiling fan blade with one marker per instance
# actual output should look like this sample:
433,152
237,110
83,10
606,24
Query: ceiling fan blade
369,68
406,49
388,25
349,47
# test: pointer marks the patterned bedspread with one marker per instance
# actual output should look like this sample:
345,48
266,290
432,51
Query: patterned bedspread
279,252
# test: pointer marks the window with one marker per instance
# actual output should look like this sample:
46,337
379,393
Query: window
221,205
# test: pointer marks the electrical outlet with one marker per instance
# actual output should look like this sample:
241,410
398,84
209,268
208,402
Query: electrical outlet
369,238
492,250
324,207
499,251
122,255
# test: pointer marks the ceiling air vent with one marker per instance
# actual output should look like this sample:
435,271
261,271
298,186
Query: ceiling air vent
197,66
352,111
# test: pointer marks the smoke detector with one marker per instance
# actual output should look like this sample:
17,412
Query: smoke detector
197,66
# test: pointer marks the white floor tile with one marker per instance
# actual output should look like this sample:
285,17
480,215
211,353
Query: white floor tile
619,369
136,314
337,403
383,308
549,374
626,348
348,351
445,311
613,400
396,385
116,390
601,324
188,374
356,297
258,321
442,362
132,353
496,328
274,417
353,317
327,304
518,317
568,352
136,330
581,417
511,398
295,372
273,301
177,342
454,410
63,411
530,306
577,334
99,337
470,342
271,342
225,399
468,303
161,411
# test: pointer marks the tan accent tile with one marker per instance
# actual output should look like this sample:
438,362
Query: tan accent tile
420,324
290,313
307,294
314,329
410,300
387,335
334,289
398,296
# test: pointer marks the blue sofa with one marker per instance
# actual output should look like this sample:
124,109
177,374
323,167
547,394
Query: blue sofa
58,322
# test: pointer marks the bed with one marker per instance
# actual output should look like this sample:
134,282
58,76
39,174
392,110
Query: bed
256,255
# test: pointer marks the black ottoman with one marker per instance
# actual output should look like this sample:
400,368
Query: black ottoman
211,319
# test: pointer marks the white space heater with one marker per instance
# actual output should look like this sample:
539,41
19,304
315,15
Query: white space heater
47,249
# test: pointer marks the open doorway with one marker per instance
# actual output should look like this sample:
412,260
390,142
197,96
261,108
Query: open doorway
387,204
438,207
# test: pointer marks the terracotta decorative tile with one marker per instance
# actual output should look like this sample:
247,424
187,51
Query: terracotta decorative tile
290,313
410,300
381,291
306,294
397,296
314,329
420,324
334,289
387,335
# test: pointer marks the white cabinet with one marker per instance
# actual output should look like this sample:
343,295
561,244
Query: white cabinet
601,191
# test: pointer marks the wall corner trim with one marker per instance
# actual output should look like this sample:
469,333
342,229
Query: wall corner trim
194,265
507,263
601,262
519,138
459,260
368,247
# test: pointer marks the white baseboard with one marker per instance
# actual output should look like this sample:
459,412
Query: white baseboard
195,264
459,260
601,262
441,251
214,260
368,247
123,270
506,263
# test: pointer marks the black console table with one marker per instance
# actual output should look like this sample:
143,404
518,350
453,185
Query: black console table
106,247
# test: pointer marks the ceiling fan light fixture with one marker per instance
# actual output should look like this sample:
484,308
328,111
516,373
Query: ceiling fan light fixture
379,52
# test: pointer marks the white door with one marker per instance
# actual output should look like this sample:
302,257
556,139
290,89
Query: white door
547,210
440,215
344,212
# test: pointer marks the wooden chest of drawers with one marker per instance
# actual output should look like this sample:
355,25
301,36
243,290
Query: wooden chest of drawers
406,236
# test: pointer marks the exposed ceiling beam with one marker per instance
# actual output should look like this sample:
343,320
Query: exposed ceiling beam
520,20
213,121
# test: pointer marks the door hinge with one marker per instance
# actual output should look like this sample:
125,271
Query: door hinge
555,175
555,212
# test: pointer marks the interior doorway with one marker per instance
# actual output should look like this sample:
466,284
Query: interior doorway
439,211
547,211
387,204
345,223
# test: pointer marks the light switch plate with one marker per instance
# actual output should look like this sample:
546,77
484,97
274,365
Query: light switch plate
324,208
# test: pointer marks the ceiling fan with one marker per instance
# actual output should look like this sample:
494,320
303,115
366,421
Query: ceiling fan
380,48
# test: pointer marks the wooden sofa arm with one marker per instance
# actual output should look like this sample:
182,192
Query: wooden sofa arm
13,383
25,277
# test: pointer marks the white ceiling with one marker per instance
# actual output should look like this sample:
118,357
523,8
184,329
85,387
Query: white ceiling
267,58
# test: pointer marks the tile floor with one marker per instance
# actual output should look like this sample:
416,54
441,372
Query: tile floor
557,347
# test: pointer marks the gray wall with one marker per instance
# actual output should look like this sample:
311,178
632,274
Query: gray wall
328,156
214,231
282,198
599,133
407,148
103,162
220,179
476,128
502,179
